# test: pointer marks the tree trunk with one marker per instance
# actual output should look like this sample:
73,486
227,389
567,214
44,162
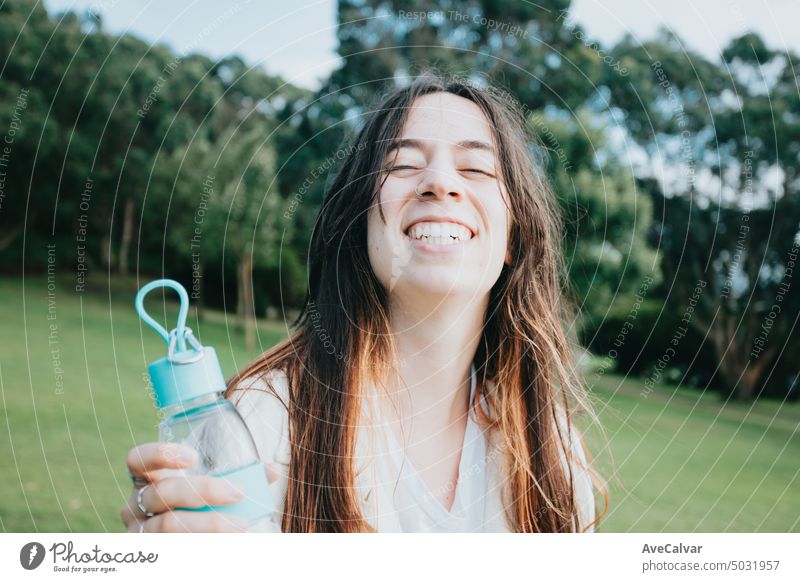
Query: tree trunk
755,371
127,235
107,253
9,236
245,303
738,369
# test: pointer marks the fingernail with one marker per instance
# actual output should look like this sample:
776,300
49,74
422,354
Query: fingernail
230,491
187,457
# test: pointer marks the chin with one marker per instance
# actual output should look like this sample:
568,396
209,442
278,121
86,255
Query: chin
438,286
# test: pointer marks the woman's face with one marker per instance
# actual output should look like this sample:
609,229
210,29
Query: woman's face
447,224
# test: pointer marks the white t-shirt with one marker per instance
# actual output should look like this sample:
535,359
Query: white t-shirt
394,497
414,506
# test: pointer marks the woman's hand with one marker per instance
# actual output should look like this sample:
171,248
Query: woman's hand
156,466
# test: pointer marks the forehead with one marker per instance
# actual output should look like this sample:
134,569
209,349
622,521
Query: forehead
448,118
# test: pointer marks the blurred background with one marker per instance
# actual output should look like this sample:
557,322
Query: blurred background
195,141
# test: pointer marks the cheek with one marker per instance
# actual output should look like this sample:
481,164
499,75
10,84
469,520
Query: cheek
375,238
381,240
384,204
503,251
498,218
503,217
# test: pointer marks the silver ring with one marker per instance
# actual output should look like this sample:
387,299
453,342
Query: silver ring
141,527
139,502
138,482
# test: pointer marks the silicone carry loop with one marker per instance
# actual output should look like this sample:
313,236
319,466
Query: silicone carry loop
181,334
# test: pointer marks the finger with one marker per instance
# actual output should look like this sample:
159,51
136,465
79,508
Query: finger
150,457
191,522
129,514
187,491
132,526
273,472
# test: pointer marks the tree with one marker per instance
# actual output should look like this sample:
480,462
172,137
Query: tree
756,116
524,46
225,207
749,303
715,137
607,217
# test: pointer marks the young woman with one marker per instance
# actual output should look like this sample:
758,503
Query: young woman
430,385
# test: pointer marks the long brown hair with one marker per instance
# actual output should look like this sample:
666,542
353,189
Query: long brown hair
524,362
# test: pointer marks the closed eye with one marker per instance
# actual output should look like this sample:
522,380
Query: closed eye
478,171
394,168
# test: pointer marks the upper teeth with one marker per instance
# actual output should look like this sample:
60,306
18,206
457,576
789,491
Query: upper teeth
439,232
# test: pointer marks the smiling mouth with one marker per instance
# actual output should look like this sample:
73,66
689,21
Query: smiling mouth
439,233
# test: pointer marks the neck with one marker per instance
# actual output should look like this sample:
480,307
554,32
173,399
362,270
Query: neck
435,346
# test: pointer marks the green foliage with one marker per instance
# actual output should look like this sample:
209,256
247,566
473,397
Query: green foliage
716,136
148,128
607,217
113,112
523,46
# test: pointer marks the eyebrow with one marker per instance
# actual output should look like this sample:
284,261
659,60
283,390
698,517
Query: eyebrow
467,144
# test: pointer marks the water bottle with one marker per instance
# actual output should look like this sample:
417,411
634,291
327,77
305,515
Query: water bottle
188,385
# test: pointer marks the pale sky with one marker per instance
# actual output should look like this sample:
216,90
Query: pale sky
297,39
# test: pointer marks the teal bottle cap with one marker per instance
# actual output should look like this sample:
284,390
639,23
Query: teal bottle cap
190,369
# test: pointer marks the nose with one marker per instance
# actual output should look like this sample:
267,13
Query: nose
440,183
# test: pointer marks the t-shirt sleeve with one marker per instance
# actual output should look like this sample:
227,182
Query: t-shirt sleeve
581,475
262,402
584,490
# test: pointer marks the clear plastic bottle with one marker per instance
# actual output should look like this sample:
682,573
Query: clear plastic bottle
214,428
188,386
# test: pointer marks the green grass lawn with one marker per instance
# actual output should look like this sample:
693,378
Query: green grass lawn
62,453
681,460
675,460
